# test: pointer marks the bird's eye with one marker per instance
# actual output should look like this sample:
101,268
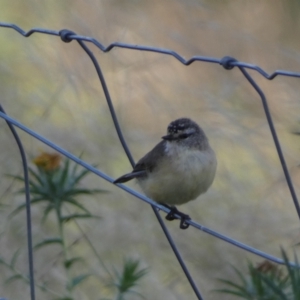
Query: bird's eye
184,135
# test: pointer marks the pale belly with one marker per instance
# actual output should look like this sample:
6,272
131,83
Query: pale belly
188,176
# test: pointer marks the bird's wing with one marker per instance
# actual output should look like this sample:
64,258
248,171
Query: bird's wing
145,164
130,176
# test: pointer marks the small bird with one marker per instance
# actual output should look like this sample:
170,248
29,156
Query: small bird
178,169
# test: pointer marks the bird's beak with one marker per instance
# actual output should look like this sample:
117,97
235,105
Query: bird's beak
169,137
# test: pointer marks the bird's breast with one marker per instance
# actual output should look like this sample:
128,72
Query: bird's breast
181,175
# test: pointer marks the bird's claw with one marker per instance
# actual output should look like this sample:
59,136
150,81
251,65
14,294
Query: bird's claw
183,224
183,217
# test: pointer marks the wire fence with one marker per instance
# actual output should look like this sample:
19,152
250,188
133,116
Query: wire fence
226,62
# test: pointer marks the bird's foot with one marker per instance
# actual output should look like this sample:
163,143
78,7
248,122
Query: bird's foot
183,217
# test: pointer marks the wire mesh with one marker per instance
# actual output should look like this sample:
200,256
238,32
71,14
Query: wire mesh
226,62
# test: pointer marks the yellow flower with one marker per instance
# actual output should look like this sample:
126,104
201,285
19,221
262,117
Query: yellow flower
48,161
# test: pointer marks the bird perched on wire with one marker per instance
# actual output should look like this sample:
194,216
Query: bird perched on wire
178,169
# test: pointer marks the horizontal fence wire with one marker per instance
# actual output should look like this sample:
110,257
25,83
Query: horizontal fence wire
226,62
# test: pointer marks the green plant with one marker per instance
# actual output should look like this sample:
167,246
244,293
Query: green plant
266,281
57,184
124,282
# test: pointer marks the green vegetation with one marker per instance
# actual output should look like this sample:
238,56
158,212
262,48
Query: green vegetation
56,185
266,281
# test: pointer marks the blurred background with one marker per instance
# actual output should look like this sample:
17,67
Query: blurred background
52,88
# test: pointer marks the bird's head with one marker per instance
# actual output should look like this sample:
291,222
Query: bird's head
183,129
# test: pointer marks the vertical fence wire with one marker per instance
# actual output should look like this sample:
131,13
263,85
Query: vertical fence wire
275,139
28,206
